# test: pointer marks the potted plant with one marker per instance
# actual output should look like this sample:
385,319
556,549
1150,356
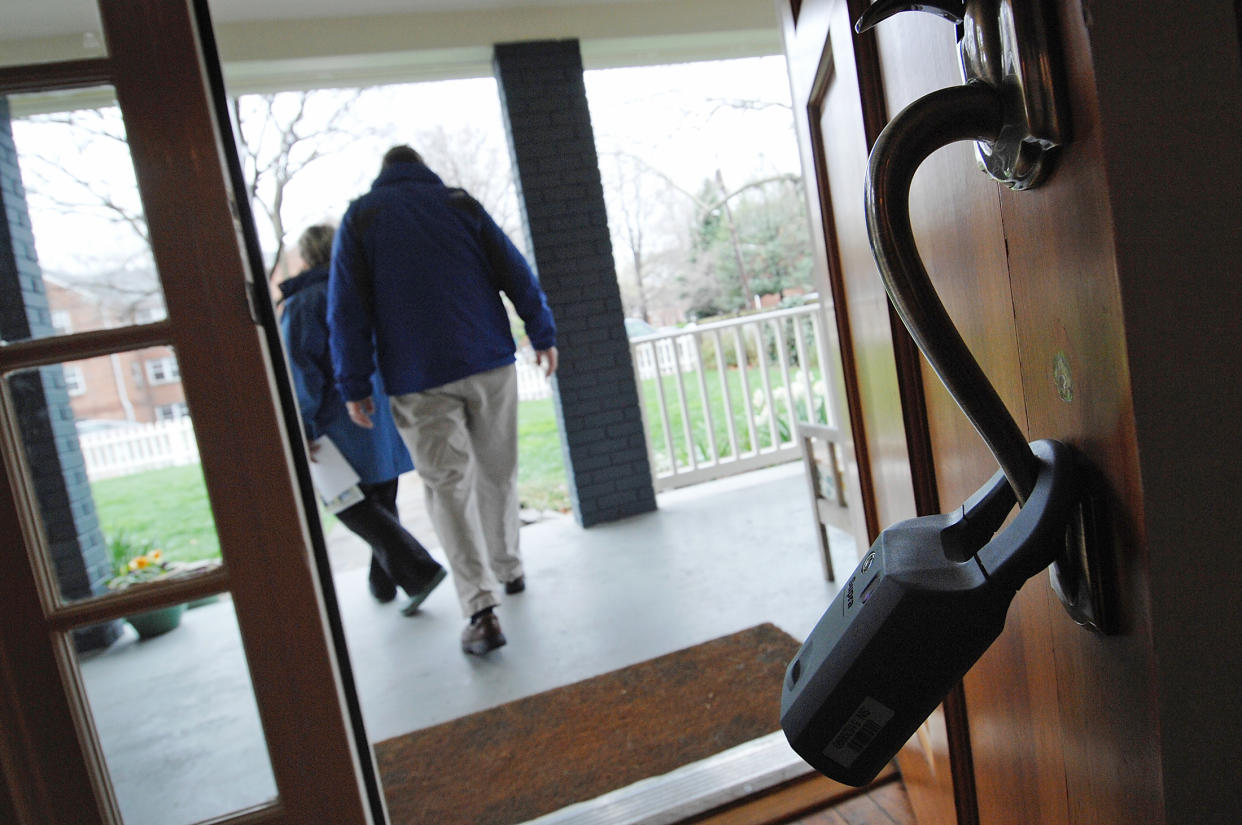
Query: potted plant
148,565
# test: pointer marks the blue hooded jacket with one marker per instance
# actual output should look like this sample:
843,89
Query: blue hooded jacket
377,455
417,273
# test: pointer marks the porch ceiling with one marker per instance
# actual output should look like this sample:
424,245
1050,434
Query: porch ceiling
269,45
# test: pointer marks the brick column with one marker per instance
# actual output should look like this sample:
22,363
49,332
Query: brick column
553,148
46,419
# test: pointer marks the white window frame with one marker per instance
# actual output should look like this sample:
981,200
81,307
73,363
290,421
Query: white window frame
62,321
162,370
75,380
171,412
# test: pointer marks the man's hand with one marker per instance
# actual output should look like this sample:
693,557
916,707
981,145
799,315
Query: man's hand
312,447
546,358
360,412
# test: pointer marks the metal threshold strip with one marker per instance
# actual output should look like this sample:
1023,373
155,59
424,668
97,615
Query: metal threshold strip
690,790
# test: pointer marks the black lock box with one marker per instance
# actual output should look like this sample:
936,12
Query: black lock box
922,606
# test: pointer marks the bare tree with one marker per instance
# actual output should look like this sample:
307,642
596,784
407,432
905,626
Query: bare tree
69,184
474,159
629,211
77,173
281,135
720,104
632,212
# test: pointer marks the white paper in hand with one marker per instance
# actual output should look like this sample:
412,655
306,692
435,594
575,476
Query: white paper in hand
335,480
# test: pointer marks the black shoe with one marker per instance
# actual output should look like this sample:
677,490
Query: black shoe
421,596
516,585
382,587
482,634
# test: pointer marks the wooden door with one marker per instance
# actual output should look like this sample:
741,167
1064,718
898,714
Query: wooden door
840,112
57,770
1087,302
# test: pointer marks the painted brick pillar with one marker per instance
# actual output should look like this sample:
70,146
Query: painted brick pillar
46,419
553,148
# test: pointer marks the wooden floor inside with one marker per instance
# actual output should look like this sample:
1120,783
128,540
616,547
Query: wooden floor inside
885,805
817,800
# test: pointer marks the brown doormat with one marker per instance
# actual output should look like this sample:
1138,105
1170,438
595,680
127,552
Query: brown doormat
530,757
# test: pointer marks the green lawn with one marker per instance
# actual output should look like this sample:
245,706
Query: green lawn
168,508
160,508
541,469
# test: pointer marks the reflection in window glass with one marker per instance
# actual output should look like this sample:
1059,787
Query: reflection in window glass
92,249
177,719
124,453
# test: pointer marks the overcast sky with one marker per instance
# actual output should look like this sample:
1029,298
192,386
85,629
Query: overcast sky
669,115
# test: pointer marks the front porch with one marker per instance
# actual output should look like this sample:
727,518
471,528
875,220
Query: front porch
715,558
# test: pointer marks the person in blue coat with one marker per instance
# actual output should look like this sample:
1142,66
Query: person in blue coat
377,454
418,274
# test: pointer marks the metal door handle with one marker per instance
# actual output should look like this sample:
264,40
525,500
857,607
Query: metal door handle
971,112
1010,107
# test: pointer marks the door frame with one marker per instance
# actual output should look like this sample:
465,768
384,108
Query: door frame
203,244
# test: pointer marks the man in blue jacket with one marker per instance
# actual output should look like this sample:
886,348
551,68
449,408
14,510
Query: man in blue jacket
417,273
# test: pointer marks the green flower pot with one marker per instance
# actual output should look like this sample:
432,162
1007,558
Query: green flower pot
156,622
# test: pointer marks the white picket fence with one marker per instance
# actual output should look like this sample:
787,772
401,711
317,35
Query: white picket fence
140,447
665,354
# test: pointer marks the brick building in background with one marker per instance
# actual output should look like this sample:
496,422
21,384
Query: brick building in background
141,386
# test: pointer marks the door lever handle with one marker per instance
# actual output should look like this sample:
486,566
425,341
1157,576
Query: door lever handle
1009,46
952,10
970,112
1010,106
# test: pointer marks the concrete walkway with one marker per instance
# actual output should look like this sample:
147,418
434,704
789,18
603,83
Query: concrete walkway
177,717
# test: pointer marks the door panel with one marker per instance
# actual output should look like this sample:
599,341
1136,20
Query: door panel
1087,302
817,85
840,110
55,763
1076,387
1027,276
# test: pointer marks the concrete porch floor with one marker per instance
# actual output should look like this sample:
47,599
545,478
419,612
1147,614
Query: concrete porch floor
176,714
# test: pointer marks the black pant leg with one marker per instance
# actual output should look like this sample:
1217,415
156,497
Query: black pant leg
385,494
399,554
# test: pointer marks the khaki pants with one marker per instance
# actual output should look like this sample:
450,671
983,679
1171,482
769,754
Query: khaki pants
463,439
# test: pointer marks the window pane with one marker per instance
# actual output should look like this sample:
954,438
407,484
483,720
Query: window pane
115,469
177,719
50,31
88,254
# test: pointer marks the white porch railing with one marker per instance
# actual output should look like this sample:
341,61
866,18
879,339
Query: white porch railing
725,397
126,450
532,383
717,399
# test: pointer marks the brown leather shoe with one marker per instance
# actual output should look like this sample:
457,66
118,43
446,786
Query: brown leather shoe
482,635
515,585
